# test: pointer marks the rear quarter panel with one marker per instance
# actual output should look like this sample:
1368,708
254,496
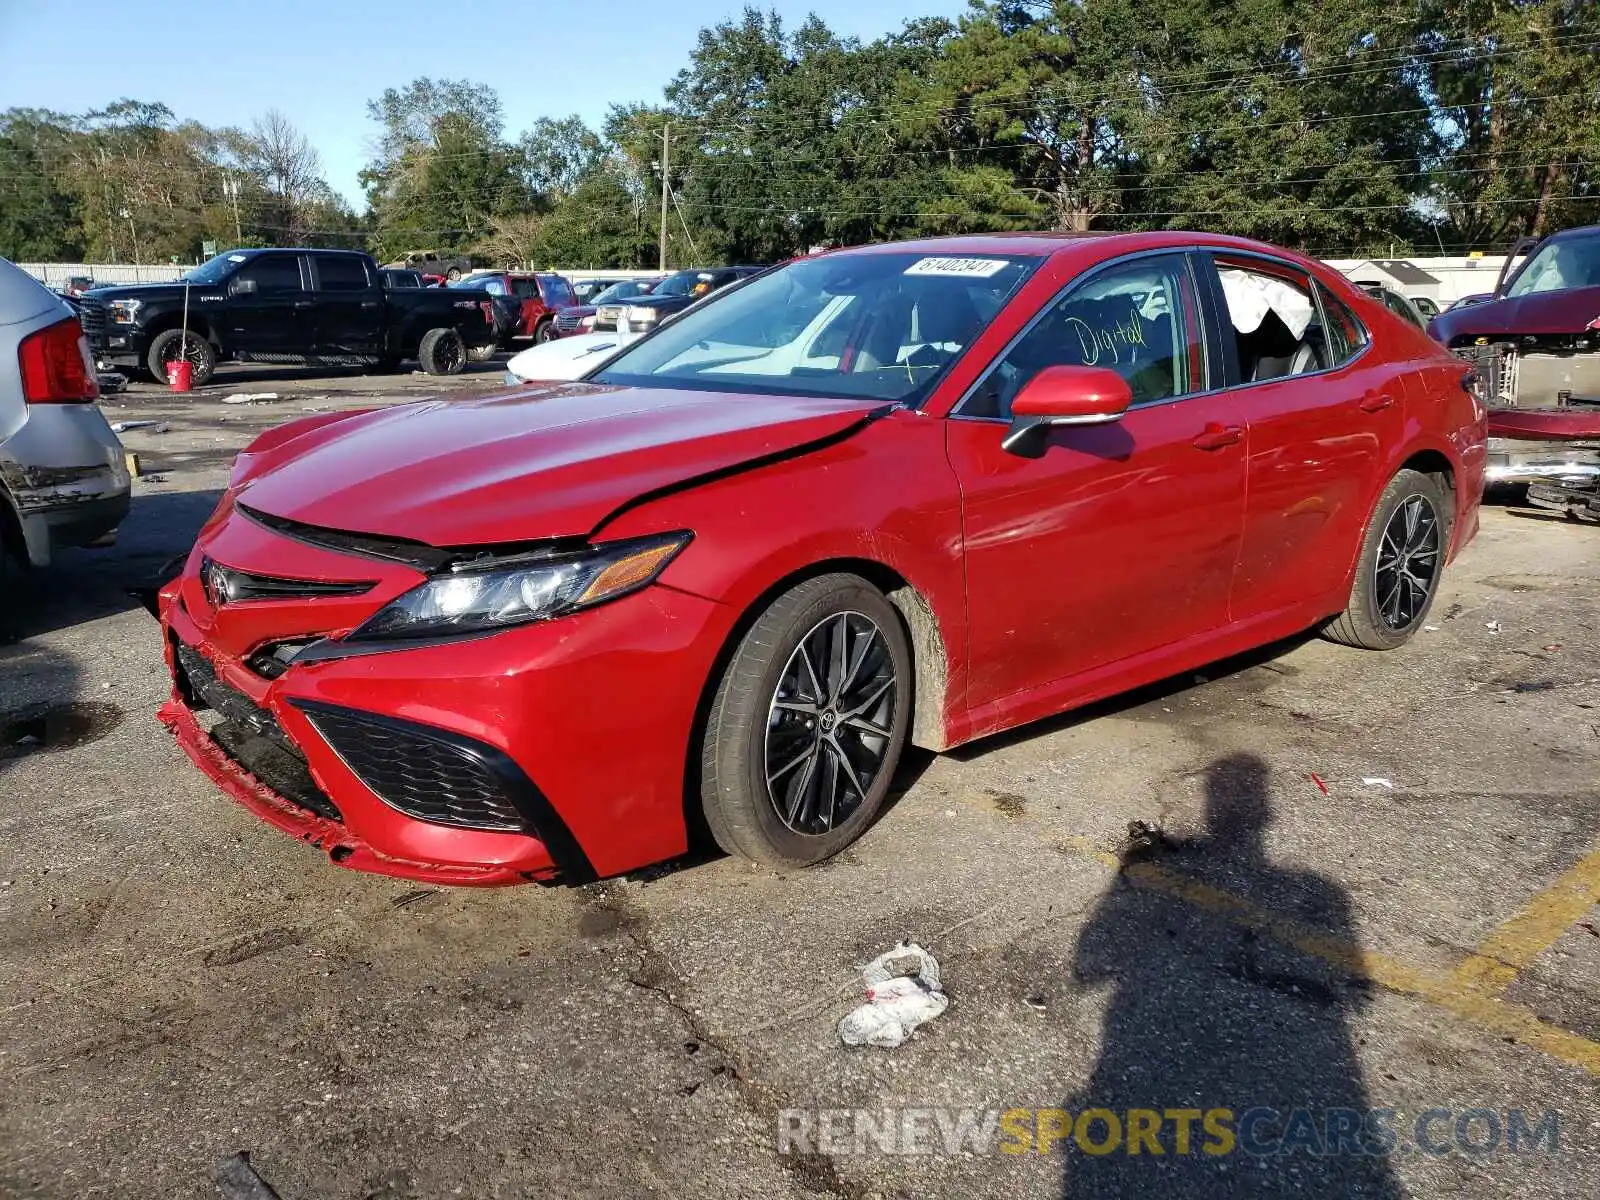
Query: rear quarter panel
413,313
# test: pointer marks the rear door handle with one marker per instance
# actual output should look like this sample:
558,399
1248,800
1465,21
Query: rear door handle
369,304
1215,437
1374,402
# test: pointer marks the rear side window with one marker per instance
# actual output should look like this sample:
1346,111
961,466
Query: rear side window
273,273
341,274
557,291
525,289
1273,317
1346,336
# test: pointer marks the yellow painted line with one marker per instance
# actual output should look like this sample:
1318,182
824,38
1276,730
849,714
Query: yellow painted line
1457,993
1537,926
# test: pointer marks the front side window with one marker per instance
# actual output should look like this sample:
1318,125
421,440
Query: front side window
872,326
1273,317
273,273
1568,263
337,273
1139,319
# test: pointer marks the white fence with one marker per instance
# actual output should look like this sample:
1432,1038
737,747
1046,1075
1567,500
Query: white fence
56,274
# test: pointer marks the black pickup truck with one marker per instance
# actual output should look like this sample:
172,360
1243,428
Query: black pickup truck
325,307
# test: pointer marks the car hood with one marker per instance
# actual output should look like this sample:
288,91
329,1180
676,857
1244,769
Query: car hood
137,291
541,462
1567,311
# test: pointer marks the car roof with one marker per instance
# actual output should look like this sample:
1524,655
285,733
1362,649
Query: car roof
1046,243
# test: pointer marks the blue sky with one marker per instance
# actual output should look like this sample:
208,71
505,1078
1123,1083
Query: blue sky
225,62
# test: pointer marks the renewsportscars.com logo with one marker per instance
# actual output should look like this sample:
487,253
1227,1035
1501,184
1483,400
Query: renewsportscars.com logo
1163,1132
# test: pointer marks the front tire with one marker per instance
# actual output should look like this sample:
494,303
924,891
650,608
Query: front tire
1401,562
173,344
480,354
442,352
807,724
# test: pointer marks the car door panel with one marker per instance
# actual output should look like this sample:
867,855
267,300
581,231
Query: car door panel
1317,460
1111,541
272,320
1115,541
347,317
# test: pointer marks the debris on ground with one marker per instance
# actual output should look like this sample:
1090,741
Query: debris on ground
1321,786
1492,626
1430,629
1037,1003
1551,648
1378,781
237,1179
902,992
249,397
124,426
1143,841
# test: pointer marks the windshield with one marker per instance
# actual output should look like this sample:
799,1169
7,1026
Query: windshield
681,284
626,290
1567,263
215,270
873,326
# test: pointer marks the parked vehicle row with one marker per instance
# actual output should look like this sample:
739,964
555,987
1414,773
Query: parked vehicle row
869,498
327,307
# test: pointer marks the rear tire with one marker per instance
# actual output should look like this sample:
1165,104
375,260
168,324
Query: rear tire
453,274
807,724
165,348
442,352
1399,568
544,331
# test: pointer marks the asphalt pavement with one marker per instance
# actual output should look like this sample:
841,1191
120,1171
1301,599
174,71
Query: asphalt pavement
1360,884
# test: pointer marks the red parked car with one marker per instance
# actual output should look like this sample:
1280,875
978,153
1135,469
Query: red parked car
907,493
1535,344
542,296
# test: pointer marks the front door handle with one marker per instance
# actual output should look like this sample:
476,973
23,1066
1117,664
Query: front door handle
302,304
1215,437
369,304
1375,402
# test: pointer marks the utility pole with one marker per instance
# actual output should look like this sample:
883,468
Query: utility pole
230,187
666,131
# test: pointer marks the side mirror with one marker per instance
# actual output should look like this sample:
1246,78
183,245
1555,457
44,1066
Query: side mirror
1065,396
242,287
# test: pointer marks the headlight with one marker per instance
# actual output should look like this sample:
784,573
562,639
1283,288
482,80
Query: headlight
643,315
475,598
586,322
123,311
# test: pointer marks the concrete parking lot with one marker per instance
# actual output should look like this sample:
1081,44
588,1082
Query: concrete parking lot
1374,886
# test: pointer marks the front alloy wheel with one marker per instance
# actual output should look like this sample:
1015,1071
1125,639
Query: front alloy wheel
807,723
827,726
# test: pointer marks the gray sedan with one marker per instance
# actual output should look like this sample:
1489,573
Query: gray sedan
63,477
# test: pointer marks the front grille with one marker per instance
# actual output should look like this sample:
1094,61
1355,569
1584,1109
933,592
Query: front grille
92,316
250,735
228,585
568,322
427,773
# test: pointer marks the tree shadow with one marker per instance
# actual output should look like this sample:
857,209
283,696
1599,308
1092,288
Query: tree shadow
1206,1014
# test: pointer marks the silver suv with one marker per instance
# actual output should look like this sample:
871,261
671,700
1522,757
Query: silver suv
63,477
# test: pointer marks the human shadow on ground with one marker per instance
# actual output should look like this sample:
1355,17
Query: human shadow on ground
1205,1014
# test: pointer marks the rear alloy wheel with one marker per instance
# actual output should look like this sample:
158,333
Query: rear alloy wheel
807,724
1402,559
442,352
173,344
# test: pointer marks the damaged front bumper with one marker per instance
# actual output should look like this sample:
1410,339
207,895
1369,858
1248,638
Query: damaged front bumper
1544,411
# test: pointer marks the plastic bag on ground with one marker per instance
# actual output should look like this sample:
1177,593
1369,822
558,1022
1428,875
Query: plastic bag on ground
902,992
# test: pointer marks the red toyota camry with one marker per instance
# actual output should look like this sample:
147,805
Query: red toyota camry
918,492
